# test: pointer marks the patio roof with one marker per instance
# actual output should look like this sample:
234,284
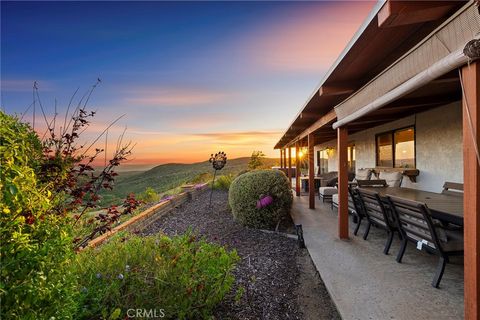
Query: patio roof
436,55
385,36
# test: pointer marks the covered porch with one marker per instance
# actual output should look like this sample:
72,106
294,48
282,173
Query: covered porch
427,94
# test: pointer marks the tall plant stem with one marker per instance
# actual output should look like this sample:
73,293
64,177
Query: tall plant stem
211,192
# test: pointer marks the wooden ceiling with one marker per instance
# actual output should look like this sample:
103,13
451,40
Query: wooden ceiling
389,35
437,93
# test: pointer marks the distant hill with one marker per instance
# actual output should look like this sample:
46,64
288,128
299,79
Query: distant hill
169,176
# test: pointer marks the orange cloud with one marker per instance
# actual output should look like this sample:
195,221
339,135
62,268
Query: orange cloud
156,147
240,138
202,121
159,147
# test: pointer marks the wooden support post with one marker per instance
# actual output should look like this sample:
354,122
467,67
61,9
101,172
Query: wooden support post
281,158
471,180
290,166
342,148
297,169
311,172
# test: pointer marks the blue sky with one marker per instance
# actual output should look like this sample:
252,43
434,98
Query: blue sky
190,77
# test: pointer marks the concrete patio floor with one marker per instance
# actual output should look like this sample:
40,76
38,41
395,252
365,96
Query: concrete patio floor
366,284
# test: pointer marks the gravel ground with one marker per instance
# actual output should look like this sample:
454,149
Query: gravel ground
279,278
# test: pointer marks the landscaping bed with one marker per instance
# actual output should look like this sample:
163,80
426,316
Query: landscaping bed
277,278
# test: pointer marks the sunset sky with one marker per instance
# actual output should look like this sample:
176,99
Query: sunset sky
191,78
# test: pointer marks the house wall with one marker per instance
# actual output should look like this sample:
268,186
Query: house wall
438,146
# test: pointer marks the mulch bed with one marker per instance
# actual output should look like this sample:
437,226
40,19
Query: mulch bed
270,269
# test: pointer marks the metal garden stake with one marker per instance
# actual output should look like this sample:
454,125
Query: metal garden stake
218,161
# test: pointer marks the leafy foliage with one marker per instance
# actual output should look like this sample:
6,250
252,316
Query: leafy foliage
74,181
186,276
149,195
42,183
223,182
202,177
36,246
250,187
256,160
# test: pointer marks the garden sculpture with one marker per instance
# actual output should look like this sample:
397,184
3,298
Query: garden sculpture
218,161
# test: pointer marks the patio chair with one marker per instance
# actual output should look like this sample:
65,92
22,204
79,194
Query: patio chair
328,179
359,211
334,204
416,225
378,214
351,206
326,193
327,185
453,188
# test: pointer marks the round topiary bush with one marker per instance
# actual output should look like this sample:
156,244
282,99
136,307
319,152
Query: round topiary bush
260,198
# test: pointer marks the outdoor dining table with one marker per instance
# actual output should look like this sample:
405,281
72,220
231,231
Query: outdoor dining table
444,207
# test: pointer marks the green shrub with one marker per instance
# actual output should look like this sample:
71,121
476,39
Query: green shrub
202,177
250,187
242,172
36,247
149,195
183,276
223,182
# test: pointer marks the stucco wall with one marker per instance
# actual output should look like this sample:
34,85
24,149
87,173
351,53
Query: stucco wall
438,146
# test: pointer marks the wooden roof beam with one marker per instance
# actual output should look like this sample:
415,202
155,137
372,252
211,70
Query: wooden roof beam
322,121
327,118
308,115
337,89
425,101
399,13
449,79
293,128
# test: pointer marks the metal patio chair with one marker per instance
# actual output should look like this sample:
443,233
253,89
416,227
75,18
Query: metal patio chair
416,225
378,214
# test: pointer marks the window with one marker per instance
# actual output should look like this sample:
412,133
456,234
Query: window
322,161
385,150
396,149
405,148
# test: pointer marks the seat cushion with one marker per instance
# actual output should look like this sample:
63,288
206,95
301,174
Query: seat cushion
335,198
363,174
393,178
327,191
351,207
